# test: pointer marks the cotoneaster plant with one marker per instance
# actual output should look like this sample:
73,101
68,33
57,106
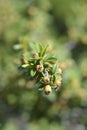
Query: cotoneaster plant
42,67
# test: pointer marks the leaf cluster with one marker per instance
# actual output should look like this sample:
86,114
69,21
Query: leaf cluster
41,66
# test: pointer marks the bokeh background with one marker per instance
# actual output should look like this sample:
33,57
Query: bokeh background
62,24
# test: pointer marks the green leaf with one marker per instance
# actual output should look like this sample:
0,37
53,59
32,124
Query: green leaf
50,57
25,65
39,48
47,64
44,51
32,72
55,69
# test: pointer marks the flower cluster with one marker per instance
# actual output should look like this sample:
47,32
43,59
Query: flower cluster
42,67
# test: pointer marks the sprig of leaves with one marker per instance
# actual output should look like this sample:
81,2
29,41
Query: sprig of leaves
42,67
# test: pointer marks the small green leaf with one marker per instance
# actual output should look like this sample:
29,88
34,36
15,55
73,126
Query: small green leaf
39,48
55,69
32,72
25,65
47,64
44,51
50,57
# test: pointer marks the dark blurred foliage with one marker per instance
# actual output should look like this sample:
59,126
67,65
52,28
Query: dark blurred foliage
63,25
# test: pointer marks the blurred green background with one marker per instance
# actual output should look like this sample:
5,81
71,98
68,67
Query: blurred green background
62,24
